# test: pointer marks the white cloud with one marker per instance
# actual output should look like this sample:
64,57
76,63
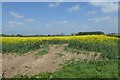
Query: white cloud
48,25
105,20
64,22
74,8
99,0
92,12
15,24
103,1
60,0
106,7
111,7
29,20
55,4
107,23
100,19
16,15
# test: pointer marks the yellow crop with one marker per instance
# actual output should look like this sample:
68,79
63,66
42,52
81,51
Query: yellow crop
100,43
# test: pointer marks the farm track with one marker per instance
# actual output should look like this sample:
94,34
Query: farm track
28,64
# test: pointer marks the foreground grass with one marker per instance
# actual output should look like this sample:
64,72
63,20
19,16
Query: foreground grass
85,69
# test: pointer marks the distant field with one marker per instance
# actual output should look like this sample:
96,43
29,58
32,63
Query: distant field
104,46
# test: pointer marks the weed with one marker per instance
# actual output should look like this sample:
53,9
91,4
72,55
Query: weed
41,53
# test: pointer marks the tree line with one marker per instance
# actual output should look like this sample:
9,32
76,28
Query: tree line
90,33
62,34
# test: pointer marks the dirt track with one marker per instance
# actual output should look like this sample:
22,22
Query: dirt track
30,65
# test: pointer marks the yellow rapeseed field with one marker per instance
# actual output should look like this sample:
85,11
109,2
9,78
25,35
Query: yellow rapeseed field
100,43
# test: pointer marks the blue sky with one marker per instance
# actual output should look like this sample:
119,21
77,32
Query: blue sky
58,17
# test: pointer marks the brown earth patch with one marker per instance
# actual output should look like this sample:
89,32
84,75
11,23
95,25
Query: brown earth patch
28,64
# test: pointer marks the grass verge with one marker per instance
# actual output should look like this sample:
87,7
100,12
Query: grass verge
85,69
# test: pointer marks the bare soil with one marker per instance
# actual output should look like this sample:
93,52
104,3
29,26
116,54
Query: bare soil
13,64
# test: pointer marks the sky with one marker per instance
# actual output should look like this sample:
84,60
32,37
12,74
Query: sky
59,17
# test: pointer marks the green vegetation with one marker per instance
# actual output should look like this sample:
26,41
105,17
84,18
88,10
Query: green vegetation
73,50
85,69
40,53
109,49
90,33
22,47
43,75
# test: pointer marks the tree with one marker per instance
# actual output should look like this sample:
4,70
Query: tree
90,33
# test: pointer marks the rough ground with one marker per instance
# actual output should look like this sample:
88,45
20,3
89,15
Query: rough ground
30,65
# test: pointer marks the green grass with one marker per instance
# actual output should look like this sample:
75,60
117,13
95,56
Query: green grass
84,69
43,75
73,50
41,53
108,48
23,47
